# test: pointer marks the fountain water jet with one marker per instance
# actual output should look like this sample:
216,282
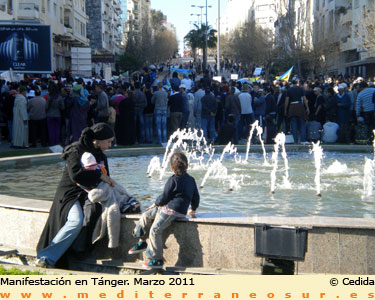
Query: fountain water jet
318,156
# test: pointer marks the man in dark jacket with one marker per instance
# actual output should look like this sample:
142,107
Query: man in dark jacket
270,115
176,103
102,104
233,109
209,107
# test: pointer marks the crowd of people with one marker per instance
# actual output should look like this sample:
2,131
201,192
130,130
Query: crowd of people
152,105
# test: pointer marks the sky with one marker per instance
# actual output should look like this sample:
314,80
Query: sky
178,13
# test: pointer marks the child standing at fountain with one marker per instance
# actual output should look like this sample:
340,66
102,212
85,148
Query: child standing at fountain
180,191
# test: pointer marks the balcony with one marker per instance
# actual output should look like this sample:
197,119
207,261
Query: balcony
117,7
28,11
72,38
347,17
68,4
346,44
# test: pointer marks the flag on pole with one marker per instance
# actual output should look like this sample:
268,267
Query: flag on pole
286,75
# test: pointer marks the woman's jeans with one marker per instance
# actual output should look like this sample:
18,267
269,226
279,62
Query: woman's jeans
65,237
161,125
148,118
138,115
152,224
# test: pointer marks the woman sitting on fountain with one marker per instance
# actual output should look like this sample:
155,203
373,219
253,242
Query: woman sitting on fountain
66,216
180,191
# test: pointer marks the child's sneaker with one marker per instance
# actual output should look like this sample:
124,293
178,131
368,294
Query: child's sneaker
153,263
138,248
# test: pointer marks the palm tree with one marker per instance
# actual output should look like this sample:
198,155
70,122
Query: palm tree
196,39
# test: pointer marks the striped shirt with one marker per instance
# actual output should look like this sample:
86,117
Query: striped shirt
364,100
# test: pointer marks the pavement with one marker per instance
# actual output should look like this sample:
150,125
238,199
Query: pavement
5,147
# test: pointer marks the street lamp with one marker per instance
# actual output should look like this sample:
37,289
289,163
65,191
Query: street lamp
205,34
218,37
201,7
198,17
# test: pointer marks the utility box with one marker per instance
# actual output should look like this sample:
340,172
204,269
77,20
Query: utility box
280,246
81,62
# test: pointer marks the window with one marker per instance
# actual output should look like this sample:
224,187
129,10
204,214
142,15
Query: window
263,7
364,11
317,5
2,5
55,9
356,3
49,6
262,20
61,16
83,29
331,21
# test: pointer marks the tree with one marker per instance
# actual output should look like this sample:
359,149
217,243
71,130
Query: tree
249,45
364,33
152,44
196,39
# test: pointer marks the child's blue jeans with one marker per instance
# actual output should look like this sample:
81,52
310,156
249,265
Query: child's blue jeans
152,224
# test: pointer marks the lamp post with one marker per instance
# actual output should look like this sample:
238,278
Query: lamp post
218,37
197,16
206,38
201,7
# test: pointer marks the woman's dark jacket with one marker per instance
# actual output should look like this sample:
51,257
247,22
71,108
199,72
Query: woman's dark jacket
68,192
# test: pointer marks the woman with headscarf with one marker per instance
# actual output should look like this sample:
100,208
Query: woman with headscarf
54,108
79,110
127,133
71,211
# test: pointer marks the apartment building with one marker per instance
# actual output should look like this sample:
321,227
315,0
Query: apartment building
104,28
138,13
294,25
344,22
68,20
238,12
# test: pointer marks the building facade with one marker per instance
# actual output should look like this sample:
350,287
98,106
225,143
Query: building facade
345,22
238,12
68,20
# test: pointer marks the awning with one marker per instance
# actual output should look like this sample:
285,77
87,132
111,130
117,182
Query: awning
367,61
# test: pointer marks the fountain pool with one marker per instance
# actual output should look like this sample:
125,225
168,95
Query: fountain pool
243,188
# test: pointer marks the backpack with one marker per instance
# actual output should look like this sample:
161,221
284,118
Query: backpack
131,206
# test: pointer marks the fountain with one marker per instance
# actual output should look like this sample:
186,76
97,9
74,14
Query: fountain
235,197
232,181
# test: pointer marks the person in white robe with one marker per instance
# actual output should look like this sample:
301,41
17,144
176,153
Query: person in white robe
20,120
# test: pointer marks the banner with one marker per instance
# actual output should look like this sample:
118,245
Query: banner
26,48
176,287
181,72
103,58
257,72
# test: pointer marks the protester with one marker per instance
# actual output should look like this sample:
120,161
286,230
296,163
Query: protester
20,120
66,216
37,120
